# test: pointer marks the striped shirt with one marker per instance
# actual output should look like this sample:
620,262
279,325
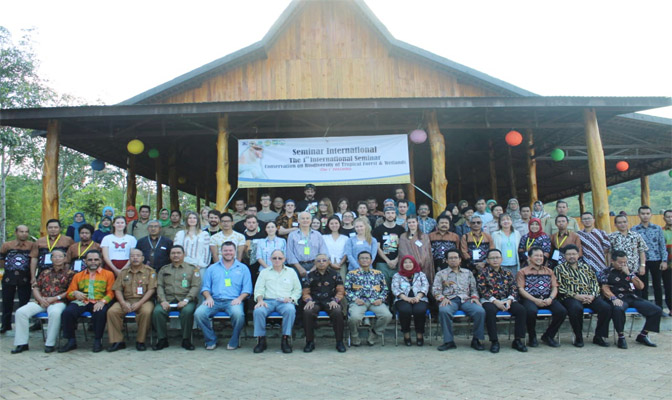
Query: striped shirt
595,243
581,280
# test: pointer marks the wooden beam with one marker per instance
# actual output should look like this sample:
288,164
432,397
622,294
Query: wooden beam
410,188
644,185
223,186
512,174
493,170
252,196
437,145
159,185
131,186
50,175
598,176
531,168
582,203
172,180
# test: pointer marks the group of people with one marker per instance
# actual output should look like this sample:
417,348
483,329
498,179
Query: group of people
298,258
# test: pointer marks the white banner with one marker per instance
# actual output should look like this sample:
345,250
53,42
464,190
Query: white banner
326,161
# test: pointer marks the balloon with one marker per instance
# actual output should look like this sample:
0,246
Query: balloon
153,153
181,180
670,173
622,166
418,136
514,138
97,165
557,155
608,192
135,146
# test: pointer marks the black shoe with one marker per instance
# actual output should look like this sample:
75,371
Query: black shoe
20,348
519,345
49,349
420,341
310,346
622,344
284,344
187,345
98,346
533,342
550,341
578,341
476,345
644,339
599,340
340,347
407,341
261,345
447,346
5,329
140,346
494,347
116,346
160,345
71,345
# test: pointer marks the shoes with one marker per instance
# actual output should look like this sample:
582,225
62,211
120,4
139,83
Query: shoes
187,345
98,345
229,347
49,349
447,346
622,344
261,345
310,346
644,339
211,346
599,340
407,341
160,345
355,340
532,342
476,345
284,344
340,347
494,347
116,346
20,348
5,329
578,341
519,345
550,341
140,346
371,340
420,341
71,345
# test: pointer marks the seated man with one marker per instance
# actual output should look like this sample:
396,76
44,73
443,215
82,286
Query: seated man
578,288
366,290
90,290
538,288
226,284
455,289
177,287
323,290
277,289
619,287
499,293
133,290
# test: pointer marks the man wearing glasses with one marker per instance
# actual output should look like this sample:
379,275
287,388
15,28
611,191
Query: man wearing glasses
475,245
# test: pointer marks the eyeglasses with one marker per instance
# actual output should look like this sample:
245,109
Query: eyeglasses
321,260
277,258
476,222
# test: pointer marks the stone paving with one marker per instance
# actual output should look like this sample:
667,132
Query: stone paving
365,372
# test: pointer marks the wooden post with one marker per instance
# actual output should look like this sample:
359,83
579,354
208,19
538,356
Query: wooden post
512,175
582,203
459,183
131,187
159,186
198,200
252,196
598,176
437,145
223,186
172,180
493,170
531,168
410,188
644,184
50,175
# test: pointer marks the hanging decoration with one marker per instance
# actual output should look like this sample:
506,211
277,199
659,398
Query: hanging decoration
181,180
557,155
135,146
514,138
97,165
418,136
153,153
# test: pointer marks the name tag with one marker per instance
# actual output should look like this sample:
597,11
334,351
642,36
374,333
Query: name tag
476,254
418,243
509,253
306,250
227,282
352,234
185,283
360,242
295,224
556,255
632,286
47,258
77,266
139,290
163,248
302,241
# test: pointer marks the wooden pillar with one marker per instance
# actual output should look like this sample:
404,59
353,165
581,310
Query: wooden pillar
131,187
50,175
512,175
159,186
438,148
206,196
644,184
172,180
493,170
598,176
410,188
582,203
252,196
531,168
198,200
223,186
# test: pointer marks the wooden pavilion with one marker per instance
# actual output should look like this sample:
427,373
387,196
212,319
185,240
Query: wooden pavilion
331,68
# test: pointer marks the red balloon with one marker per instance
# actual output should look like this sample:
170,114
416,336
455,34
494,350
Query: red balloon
514,138
622,166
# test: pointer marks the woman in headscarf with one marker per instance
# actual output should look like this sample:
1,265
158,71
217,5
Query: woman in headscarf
104,229
513,209
535,237
164,217
77,221
410,288
131,215
107,212
538,210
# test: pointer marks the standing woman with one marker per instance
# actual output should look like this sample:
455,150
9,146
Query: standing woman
104,229
415,243
204,217
73,230
196,242
347,226
507,241
324,210
513,209
410,287
131,215
164,217
336,245
360,241
538,210
316,224
117,246
266,247
536,237
343,205
107,212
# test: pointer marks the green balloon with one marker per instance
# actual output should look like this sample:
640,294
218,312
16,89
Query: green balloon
153,153
670,173
557,155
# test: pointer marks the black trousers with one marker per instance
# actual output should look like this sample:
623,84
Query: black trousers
8,293
516,310
649,310
74,310
417,311
661,282
575,312
310,319
559,314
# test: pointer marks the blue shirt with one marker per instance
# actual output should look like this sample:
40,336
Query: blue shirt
227,284
355,246
654,238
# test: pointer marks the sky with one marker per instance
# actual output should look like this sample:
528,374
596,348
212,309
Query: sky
107,52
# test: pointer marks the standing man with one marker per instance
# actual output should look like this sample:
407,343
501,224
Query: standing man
481,211
303,245
402,213
631,243
550,225
656,256
250,211
213,222
288,221
226,235
139,226
323,290
400,195
443,240
578,288
426,223
455,289
134,288
372,205
16,261
177,288
175,226
40,253
667,272
308,203
238,210
475,245
595,244
561,239
387,234
266,214
465,227
77,251
493,225
522,224
363,211
90,290
154,247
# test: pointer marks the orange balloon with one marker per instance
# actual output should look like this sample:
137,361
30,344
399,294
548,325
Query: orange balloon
622,166
514,138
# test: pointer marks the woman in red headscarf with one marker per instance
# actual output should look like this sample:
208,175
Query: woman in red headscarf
536,237
410,288
131,215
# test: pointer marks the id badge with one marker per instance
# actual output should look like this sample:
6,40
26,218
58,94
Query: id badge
185,283
295,224
476,254
632,286
360,242
302,241
306,251
227,282
47,258
352,234
77,266
556,255
509,253
139,290
418,243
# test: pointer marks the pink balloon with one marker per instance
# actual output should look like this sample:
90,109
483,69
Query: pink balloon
418,136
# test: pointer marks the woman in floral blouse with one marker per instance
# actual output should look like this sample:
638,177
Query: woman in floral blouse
410,287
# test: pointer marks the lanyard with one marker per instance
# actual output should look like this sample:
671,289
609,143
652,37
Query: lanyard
157,243
51,246
528,244
79,248
559,245
478,245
